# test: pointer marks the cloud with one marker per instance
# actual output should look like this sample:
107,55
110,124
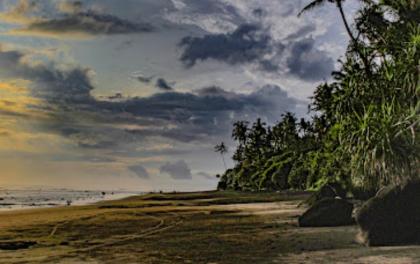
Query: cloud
257,37
212,16
141,77
214,91
104,120
203,115
206,175
72,21
301,32
140,171
308,62
70,6
90,23
81,158
206,114
258,12
59,87
163,84
249,43
19,13
116,96
178,170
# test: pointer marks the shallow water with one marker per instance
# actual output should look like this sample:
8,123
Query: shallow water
13,199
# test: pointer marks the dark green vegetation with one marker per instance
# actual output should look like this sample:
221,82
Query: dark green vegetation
363,133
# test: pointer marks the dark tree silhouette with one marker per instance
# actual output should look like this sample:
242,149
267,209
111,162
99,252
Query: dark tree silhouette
240,128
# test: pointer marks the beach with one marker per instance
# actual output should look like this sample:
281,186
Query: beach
43,197
200,227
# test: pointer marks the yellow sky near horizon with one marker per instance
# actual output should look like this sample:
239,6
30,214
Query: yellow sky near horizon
26,153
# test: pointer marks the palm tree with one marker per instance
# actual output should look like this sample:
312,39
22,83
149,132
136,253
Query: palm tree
240,129
222,149
339,4
257,139
357,46
304,126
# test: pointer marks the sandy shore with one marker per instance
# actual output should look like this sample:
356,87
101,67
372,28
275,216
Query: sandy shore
19,199
207,227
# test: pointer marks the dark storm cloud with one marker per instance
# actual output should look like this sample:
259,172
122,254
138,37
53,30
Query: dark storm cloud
93,123
89,23
214,91
248,43
309,63
73,19
140,171
178,170
163,84
258,12
60,87
205,105
207,113
184,117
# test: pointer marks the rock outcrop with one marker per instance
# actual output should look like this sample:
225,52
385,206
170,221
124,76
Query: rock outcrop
392,217
328,212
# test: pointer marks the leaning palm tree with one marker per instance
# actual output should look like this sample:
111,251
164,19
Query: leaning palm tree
222,149
339,4
357,47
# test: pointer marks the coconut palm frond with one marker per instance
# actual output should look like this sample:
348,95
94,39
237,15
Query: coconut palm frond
311,5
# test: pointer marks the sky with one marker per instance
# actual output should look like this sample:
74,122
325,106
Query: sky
134,94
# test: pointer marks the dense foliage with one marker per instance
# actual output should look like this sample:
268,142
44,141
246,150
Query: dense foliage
364,130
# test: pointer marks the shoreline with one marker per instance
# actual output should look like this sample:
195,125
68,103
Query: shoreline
89,200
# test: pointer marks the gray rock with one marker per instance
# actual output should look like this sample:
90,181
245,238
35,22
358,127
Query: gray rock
392,217
328,212
330,190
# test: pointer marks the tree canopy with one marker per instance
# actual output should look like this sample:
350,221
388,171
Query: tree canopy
363,132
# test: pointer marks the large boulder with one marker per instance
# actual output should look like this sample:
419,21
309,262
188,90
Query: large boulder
330,190
328,212
392,217
338,189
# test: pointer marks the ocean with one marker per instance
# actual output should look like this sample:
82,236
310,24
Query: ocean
14,199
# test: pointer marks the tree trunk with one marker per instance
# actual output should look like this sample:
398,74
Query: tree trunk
343,17
348,29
